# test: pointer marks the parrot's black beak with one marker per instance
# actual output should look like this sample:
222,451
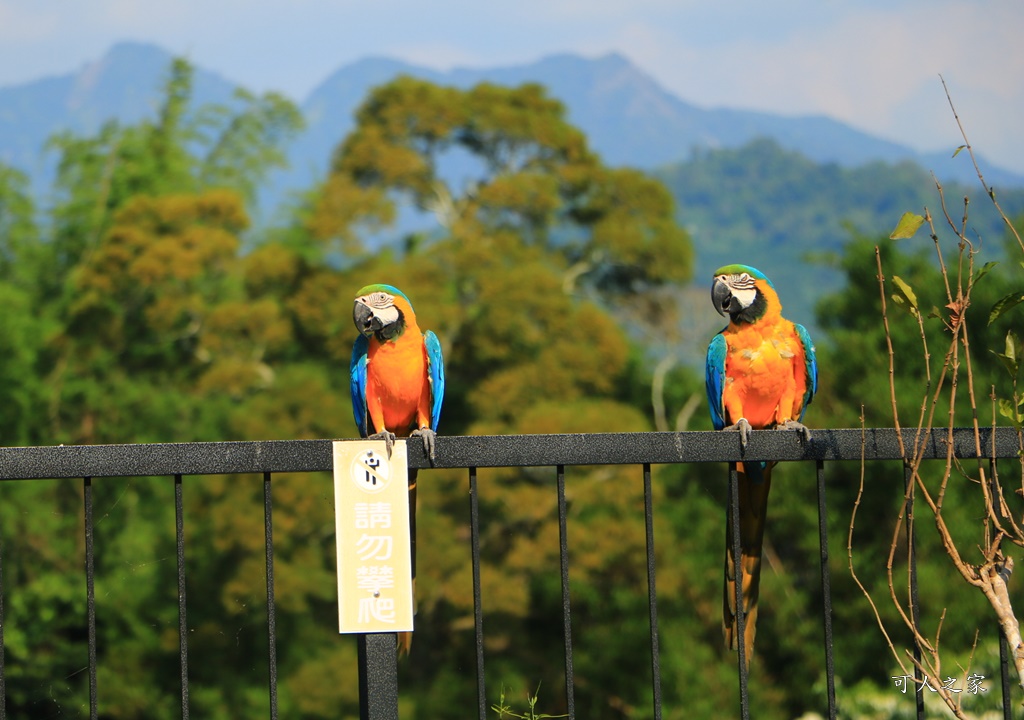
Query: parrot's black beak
722,297
363,317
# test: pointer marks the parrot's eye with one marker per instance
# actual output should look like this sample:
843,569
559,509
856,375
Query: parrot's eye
744,278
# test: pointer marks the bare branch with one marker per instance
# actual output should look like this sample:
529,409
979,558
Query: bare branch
967,145
849,551
892,361
658,391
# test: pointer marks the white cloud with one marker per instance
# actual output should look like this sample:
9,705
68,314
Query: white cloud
877,69
22,24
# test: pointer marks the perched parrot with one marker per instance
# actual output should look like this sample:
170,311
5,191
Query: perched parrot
761,373
397,383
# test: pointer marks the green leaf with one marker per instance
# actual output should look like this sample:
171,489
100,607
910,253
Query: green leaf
1007,303
1011,356
1007,410
907,226
904,294
983,271
957,151
1013,346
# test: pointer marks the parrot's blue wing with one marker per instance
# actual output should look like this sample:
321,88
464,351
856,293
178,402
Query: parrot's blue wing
357,380
714,380
810,366
435,368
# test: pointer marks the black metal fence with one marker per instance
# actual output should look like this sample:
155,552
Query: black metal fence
377,653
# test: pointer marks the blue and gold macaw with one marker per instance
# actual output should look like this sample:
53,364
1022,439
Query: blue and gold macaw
761,373
397,383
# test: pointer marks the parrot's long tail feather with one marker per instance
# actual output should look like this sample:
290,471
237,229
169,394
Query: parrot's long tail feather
405,638
753,500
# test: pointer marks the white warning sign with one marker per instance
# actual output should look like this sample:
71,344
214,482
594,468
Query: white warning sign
371,501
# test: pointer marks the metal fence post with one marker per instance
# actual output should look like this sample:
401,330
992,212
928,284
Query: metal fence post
378,676
90,594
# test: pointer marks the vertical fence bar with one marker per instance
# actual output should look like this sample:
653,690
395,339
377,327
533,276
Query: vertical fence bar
378,676
652,595
3,671
741,615
915,608
179,534
1004,660
478,612
570,698
1004,674
90,595
826,592
179,537
268,535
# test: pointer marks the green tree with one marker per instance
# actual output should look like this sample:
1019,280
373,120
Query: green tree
181,151
852,319
523,170
127,318
24,324
18,231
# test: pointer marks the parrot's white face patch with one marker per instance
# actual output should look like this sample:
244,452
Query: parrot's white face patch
742,288
377,300
382,305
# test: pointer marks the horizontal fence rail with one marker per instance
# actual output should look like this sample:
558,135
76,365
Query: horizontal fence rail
221,458
377,656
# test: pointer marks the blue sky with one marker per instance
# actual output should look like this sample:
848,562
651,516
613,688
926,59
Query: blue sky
873,64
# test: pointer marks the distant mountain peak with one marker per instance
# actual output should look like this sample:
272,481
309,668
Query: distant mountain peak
134,49
629,118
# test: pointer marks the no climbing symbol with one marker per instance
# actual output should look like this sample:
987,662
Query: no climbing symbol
371,471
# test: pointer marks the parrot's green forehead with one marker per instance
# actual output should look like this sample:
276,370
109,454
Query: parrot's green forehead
381,287
740,269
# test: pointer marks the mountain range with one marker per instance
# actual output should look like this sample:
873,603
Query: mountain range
627,116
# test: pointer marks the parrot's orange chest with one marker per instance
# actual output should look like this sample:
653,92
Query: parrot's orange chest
396,381
764,373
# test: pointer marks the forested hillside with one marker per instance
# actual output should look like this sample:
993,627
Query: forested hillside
796,216
143,306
